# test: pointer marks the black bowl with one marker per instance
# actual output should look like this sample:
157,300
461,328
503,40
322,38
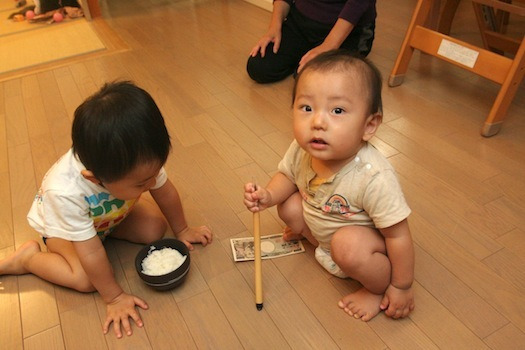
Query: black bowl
171,279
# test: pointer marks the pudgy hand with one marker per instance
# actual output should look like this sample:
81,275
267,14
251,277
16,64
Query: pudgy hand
201,234
256,200
397,303
119,310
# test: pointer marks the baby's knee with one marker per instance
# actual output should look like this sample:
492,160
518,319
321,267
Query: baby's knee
346,250
156,229
291,209
83,284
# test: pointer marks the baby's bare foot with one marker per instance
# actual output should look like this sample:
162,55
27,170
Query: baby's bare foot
361,304
289,235
14,264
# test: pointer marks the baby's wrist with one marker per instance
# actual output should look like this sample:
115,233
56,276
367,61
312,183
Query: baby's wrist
400,286
113,298
185,228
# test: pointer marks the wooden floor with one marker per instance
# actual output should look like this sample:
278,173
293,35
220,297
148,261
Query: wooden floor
467,192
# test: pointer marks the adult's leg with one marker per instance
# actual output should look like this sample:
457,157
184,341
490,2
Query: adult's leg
277,66
360,40
144,224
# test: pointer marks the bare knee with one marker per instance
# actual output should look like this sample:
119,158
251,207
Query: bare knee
291,209
156,229
352,247
345,249
82,284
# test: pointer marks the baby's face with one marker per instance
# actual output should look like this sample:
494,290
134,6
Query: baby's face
330,115
139,180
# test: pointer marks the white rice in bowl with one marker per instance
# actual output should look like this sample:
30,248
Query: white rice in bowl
162,261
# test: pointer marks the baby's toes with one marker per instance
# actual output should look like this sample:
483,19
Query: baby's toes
366,317
349,311
345,301
353,310
345,305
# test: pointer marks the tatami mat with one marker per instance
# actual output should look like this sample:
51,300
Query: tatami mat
53,42
8,5
9,26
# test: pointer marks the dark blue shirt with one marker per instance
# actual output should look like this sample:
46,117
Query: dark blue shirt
357,12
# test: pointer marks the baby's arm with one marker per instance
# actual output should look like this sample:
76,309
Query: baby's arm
168,199
279,189
120,306
399,296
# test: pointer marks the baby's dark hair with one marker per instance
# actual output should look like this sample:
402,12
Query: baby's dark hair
118,128
344,60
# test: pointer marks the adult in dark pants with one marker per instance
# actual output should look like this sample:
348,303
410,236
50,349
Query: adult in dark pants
300,30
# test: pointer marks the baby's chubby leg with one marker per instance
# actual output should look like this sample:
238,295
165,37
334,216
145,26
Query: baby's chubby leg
291,212
143,225
15,263
59,265
361,253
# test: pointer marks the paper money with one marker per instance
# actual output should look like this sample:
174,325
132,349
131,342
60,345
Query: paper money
272,246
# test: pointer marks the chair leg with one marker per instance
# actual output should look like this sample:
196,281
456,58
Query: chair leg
405,53
447,15
503,70
506,94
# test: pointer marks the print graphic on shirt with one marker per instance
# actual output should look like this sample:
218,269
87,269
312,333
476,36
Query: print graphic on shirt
38,197
339,205
107,211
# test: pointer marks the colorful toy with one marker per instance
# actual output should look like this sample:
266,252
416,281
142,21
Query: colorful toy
58,17
30,14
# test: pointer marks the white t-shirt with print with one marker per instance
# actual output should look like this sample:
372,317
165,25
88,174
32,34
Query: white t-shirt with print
364,192
71,207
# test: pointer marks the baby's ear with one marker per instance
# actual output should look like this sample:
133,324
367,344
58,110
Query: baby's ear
372,124
88,175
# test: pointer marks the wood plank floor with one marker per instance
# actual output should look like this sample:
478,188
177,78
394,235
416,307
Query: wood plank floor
467,192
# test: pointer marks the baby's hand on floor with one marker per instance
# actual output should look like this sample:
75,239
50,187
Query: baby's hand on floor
397,303
120,310
201,234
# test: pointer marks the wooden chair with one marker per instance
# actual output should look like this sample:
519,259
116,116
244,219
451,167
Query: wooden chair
488,62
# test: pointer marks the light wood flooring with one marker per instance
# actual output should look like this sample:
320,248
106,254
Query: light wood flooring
467,192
